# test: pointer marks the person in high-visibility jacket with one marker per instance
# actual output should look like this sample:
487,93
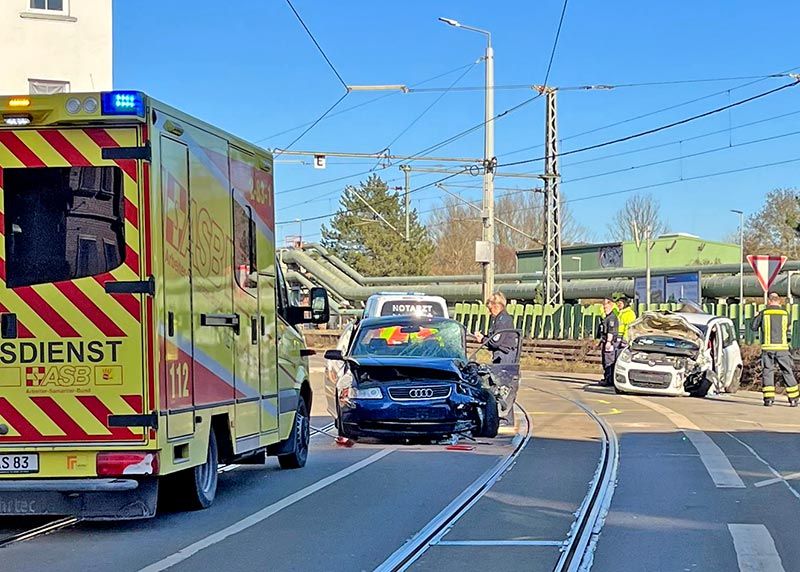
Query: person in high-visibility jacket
625,315
773,321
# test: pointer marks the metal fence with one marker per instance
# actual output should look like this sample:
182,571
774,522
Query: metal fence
576,321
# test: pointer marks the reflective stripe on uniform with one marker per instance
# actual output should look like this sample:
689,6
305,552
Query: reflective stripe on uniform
792,392
773,329
768,390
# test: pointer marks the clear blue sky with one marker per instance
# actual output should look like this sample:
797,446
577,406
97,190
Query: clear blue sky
250,68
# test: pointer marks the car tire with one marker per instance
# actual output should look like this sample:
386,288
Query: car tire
618,391
736,381
491,418
196,487
300,436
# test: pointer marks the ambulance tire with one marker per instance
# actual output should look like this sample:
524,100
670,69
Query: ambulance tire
199,484
300,436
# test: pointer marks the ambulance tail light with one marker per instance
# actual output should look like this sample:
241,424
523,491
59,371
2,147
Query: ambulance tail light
122,103
127,463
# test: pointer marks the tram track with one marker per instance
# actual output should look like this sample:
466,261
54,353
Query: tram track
577,551
412,550
39,531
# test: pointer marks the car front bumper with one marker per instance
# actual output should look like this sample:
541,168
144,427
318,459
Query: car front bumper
388,418
650,380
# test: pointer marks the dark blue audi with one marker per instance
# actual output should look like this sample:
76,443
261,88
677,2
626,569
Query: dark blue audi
409,377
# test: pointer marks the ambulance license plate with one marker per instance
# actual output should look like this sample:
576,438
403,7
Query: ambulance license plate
19,463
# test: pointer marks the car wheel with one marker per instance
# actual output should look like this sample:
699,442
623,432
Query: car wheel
736,380
491,418
196,488
300,436
617,390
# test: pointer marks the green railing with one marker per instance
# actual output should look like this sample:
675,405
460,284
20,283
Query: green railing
575,321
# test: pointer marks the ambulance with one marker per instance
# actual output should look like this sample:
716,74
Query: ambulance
146,332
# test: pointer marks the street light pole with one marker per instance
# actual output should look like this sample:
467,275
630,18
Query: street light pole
488,159
741,267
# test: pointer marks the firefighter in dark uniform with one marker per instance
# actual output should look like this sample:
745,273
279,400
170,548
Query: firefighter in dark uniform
773,321
503,346
609,340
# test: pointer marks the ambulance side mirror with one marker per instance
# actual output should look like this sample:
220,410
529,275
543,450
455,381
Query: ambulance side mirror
317,312
320,306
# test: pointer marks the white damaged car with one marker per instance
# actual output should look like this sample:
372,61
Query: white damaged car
679,354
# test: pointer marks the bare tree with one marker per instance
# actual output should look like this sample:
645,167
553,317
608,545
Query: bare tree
519,225
639,215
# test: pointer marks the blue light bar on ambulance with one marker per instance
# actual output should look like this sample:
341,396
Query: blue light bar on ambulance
122,103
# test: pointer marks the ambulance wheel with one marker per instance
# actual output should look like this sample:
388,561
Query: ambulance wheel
301,435
199,484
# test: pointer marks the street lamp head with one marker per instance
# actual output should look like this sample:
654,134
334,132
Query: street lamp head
451,22
737,211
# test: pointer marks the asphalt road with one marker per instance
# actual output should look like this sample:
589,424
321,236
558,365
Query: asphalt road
703,484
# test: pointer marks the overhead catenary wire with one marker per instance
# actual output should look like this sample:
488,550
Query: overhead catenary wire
555,43
430,106
428,149
313,124
335,71
657,129
365,103
411,191
316,43
683,140
599,86
784,73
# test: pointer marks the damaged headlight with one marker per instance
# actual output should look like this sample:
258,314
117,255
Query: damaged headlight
625,355
369,393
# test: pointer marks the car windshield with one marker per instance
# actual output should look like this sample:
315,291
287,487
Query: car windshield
441,339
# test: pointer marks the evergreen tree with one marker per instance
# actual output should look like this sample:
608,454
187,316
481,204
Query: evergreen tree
359,237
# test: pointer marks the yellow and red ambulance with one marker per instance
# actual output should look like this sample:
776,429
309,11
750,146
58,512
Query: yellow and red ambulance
146,330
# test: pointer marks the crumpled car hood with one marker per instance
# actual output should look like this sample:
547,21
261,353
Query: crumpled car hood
668,324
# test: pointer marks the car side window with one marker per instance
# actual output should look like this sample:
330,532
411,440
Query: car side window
728,335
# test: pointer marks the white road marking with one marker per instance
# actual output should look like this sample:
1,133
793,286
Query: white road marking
755,548
766,482
264,513
498,543
717,464
767,465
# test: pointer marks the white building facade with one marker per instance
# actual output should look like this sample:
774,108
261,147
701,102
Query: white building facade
52,46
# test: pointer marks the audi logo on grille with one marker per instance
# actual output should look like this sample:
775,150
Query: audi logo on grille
421,393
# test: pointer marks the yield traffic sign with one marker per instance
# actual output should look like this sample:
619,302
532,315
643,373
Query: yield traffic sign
766,268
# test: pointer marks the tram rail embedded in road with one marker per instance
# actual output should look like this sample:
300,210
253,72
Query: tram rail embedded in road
39,531
577,553
428,536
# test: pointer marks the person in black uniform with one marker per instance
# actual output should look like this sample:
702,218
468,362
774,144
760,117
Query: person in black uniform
503,346
609,339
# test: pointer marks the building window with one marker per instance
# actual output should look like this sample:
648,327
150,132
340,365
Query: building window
47,86
52,5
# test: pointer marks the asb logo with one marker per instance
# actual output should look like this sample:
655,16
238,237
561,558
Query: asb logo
60,376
